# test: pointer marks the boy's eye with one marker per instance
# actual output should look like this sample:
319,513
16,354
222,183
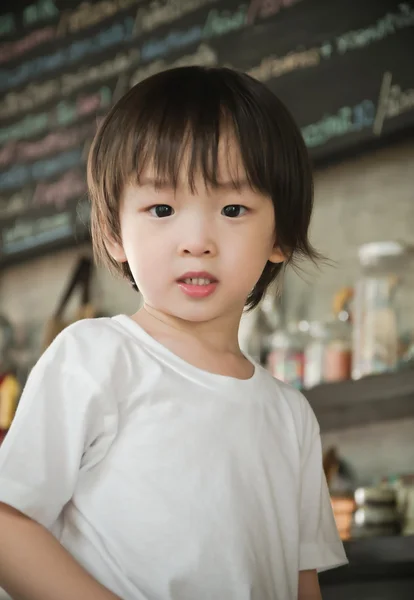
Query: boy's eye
234,210
161,210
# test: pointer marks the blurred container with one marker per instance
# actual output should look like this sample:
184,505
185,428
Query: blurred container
404,490
383,306
343,509
286,358
328,352
377,512
338,352
315,354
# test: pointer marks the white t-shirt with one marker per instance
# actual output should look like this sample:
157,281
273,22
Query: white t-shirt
164,481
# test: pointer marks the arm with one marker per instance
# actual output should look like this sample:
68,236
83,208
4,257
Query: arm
320,546
309,586
34,566
63,421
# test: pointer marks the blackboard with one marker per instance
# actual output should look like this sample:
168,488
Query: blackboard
344,68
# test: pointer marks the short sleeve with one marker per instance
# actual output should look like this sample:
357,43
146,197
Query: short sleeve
320,545
56,431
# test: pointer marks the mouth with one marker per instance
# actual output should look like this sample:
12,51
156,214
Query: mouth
197,284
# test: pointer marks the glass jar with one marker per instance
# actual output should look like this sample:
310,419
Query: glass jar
285,360
338,352
328,352
383,308
315,354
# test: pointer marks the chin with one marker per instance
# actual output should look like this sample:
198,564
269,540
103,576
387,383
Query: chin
198,313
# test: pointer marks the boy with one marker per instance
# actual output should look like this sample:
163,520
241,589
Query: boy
149,458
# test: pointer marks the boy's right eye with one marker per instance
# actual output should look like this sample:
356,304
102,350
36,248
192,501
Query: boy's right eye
161,210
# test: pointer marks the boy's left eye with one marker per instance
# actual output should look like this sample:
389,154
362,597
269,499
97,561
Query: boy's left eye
161,210
234,210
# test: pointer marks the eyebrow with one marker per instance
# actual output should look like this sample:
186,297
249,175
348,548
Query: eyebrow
234,184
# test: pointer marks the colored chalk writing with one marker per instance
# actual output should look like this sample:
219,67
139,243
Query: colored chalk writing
43,10
218,22
158,13
271,67
15,203
108,69
78,50
11,50
7,24
34,95
87,15
25,234
348,119
392,102
266,8
21,175
53,142
387,25
65,113
57,193
204,55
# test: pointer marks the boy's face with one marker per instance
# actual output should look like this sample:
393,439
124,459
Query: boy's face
197,256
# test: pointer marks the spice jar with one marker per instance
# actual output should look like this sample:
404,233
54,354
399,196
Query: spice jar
338,352
383,301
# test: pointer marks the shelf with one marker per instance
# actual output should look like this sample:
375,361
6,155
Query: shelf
384,397
374,559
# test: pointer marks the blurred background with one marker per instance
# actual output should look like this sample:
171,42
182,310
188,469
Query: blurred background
342,332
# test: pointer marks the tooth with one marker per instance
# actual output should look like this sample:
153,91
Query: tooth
197,281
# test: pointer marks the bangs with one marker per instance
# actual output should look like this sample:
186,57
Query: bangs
189,152
209,119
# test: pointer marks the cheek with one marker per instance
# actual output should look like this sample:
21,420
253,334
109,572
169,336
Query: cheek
262,237
145,258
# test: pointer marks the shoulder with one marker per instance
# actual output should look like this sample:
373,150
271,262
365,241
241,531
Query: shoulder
292,403
93,349
88,338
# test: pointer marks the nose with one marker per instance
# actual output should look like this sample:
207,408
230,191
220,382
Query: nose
197,240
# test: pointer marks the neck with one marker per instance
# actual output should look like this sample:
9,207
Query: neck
219,334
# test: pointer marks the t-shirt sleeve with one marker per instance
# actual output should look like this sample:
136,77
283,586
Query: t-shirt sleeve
55,433
320,545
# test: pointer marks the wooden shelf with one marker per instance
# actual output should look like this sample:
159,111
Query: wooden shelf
373,399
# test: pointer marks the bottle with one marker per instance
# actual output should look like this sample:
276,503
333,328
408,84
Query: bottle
383,302
315,354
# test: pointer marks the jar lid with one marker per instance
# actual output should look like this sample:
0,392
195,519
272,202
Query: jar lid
318,329
374,250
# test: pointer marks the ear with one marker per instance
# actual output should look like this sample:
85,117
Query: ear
277,256
116,250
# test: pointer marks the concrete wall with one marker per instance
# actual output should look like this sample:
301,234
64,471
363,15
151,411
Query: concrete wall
366,199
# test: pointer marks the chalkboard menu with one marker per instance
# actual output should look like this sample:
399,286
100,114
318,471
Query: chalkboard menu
344,68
